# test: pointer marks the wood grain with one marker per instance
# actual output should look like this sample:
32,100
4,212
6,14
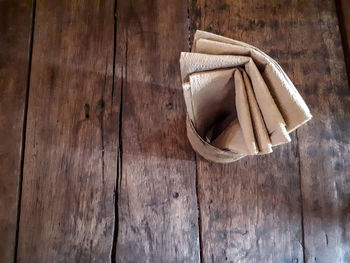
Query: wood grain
251,210
324,144
261,198
158,219
290,206
15,35
70,166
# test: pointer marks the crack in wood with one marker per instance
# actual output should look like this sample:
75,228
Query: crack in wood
201,258
20,183
118,172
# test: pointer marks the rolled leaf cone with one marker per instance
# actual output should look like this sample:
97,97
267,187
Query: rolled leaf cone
239,100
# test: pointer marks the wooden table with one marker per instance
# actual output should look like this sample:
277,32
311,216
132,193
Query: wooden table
95,165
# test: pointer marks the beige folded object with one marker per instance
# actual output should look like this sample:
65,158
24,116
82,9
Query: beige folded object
239,100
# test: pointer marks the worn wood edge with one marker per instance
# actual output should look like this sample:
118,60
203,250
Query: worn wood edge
119,164
26,12
25,126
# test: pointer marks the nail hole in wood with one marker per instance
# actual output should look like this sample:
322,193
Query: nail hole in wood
87,111
169,106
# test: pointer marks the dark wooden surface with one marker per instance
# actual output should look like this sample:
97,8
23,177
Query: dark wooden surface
324,145
104,171
15,40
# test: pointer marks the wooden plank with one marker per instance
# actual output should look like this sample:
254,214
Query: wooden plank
156,193
250,210
324,144
15,32
70,167
304,38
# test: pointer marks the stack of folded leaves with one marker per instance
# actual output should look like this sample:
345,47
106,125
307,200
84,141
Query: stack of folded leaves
239,100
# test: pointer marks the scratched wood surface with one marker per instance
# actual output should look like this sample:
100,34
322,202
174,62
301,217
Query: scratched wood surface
15,35
324,145
250,210
70,162
105,173
293,205
158,220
